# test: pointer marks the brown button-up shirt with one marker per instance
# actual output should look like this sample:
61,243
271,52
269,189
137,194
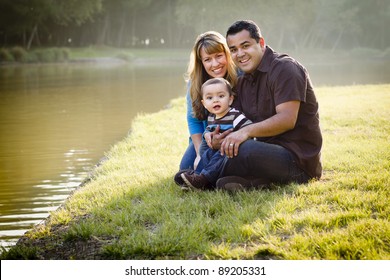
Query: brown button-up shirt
278,79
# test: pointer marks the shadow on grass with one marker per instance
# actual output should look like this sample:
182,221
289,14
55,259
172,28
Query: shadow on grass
159,221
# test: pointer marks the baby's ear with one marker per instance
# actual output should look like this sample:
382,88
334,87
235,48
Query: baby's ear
231,98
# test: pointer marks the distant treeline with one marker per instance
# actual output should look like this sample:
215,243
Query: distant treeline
315,24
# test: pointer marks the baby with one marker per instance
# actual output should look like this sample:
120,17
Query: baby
217,97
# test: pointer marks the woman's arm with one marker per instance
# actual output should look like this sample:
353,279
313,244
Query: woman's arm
196,127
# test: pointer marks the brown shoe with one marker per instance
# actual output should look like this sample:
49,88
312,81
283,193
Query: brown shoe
195,181
236,183
179,180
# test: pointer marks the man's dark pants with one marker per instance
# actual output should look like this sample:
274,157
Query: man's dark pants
270,162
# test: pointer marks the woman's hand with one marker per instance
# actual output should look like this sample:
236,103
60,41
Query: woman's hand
196,162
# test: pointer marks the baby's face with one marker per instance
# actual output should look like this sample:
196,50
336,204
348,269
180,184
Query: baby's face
216,99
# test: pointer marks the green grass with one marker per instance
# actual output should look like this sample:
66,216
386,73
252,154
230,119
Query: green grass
133,210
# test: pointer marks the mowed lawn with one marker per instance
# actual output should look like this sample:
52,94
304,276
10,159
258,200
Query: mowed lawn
132,209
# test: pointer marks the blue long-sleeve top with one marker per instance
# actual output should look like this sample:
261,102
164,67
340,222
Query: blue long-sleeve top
195,125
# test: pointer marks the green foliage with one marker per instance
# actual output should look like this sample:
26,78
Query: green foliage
51,55
125,56
73,11
5,55
46,55
19,54
132,209
19,253
128,23
64,54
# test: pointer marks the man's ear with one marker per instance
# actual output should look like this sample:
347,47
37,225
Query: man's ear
262,42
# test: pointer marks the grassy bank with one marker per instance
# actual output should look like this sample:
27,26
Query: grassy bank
132,209
59,55
19,55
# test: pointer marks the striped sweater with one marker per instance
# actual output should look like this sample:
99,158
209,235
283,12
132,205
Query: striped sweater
233,119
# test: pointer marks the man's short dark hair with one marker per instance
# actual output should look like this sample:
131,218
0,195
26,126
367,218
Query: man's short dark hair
248,25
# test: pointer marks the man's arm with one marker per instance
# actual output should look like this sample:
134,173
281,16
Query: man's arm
284,120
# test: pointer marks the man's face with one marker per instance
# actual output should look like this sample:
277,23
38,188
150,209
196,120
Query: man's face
245,51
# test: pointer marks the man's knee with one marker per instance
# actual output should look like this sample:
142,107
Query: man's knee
247,147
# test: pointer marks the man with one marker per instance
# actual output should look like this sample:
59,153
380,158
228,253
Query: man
284,143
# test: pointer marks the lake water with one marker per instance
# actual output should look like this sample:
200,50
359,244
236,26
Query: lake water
57,121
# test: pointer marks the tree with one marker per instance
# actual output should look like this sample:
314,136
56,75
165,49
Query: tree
329,24
65,12
23,17
117,15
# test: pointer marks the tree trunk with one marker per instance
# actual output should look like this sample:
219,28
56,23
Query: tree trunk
119,41
33,34
337,40
103,34
169,25
133,22
305,41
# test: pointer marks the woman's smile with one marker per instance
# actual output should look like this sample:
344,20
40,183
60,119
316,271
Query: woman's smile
219,71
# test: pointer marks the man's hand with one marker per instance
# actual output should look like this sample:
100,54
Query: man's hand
232,142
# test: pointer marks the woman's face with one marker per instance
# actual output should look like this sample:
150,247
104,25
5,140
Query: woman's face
215,64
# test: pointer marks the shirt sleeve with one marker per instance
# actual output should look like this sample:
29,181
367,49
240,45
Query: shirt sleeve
290,83
195,126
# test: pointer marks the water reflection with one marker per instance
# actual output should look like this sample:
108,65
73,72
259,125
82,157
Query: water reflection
56,122
23,206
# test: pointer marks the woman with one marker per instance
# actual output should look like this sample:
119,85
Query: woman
210,58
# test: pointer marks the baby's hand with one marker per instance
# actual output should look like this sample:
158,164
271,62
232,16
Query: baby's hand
207,137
